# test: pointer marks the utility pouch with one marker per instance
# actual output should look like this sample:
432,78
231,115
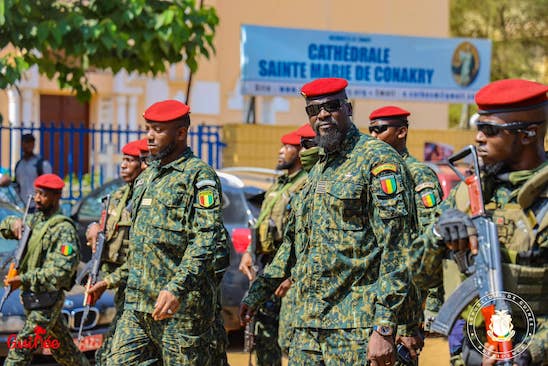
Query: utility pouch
43,300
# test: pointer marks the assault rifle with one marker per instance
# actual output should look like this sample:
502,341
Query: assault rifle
484,269
91,270
18,256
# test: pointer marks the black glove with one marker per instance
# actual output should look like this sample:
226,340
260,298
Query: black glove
454,225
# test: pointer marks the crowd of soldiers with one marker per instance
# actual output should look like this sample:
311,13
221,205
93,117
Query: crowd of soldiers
350,240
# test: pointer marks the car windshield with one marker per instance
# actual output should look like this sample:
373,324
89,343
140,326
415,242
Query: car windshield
234,206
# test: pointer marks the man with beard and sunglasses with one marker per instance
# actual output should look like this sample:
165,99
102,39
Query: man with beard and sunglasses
171,289
46,271
114,274
346,241
270,227
510,145
390,124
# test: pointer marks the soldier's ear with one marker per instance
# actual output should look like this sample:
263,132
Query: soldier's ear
402,132
182,133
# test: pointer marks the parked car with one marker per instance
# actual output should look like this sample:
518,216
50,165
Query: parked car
13,315
241,204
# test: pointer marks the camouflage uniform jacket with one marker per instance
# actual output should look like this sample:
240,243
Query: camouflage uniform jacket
281,191
117,237
58,257
428,195
352,224
176,227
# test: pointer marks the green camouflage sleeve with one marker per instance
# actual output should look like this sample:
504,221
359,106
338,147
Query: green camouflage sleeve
205,222
60,263
539,344
5,227
277,271
428,252
392,216
428,194
117,277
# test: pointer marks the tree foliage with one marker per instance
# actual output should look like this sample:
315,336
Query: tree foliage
67,38
518,29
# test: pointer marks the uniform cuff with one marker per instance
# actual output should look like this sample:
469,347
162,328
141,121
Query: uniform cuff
383,316
408,330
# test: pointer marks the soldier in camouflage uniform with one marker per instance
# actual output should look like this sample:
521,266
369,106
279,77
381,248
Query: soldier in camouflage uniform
270,227
345,242
171,291
117,241
510,143
390,124
46,270
308,155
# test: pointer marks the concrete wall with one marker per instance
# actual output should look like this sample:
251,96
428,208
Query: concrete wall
258,146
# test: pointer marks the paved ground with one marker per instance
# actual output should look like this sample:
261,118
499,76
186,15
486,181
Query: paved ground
435,352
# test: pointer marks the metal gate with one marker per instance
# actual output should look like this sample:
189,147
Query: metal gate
88,157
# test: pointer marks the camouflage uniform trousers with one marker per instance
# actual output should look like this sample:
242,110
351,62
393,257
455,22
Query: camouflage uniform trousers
220,342
49,319
266,333
103,353
285,331
329,347
141,340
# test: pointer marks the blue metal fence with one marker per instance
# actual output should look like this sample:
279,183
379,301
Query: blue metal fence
87,157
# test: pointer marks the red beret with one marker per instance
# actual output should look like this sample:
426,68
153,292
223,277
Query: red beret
166,111
49,181
388,112
132,149
142,144
291,139
306,131
323,86
510,95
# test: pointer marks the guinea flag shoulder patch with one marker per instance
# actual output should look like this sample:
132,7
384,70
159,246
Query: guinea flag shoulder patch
428,199
206,198
389,184
66,249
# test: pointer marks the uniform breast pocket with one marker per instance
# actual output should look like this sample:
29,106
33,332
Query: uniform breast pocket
346,206
170,216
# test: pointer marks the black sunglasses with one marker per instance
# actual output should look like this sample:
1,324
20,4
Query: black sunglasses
329,106
308,143
491,129
381,128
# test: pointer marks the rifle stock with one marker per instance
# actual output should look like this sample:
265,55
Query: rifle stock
13,270
485,267
91,269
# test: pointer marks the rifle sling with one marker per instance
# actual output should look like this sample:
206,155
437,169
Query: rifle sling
33,257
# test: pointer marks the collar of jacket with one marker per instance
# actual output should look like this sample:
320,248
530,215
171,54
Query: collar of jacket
351,139
177,163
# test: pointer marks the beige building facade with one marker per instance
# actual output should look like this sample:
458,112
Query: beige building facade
215,97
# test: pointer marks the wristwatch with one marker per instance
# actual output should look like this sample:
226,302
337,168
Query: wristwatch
383,330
